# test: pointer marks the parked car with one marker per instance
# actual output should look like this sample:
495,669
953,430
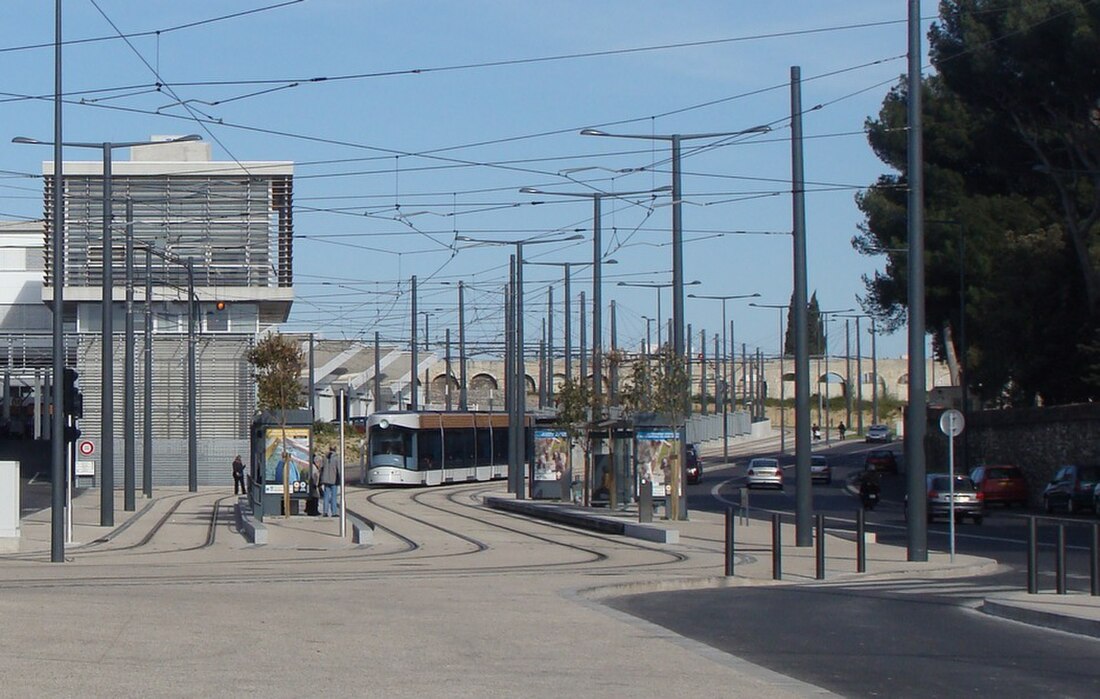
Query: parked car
764,472
692,467
820,470
878,433
969,501
881,460
1071,489
1001,484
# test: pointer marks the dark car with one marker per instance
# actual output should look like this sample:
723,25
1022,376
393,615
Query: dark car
1001,484
693,469
968,499
1071,489
881,460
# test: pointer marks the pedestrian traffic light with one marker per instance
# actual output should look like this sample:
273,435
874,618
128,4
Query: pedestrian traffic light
73,398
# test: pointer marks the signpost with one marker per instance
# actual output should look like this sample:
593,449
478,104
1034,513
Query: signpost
951,424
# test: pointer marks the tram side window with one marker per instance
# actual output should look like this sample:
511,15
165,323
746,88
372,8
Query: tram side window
429,447
484,446
459,448
500,446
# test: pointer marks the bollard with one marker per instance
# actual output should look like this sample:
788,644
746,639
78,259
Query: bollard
745,505
1032,557
729,542
777,548
861,541
1094,561
820,547
645,503
1060,562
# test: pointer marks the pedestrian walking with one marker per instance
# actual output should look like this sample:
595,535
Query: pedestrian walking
238,476
841,429
330,483
314,498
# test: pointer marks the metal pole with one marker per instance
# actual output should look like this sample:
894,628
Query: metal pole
129,422
803,492
312,390
510,372
613,397
568,327
916,415
58,476
542,367
343,481
874,370
414,368
820,568
1060,561
677,253
550,345
729,542
847,373
107,385
861,541
777,547
1094,561
782,390
951,491
1032,557
521,384
147,412
192,385
859,380
447,361
584,343
703,372
597,301
462,394
825,388
725,411
377,374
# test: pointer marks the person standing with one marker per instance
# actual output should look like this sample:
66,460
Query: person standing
313,500
238,476
330,482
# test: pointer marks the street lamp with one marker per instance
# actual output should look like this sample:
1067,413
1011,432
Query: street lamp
725,374
782,382
597,279
825,322
648,345
658,286
568,317
106,500
517,457
677,242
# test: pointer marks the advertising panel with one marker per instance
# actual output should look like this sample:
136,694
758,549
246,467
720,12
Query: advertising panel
658,454
551,454
289,451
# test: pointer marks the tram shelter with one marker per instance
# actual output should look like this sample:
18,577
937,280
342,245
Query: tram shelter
281,448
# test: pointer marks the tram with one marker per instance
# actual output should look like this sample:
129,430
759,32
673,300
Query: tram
435,447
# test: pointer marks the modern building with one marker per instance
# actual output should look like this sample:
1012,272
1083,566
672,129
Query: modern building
232,223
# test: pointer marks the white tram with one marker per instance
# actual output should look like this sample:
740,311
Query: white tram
434,447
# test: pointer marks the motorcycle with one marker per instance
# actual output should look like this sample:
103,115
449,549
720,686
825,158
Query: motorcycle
869,497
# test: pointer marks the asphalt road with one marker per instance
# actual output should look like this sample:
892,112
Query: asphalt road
888,638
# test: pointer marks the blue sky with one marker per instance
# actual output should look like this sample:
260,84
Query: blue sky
433,115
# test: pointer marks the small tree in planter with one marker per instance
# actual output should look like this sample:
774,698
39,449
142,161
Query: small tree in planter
576,406
277,363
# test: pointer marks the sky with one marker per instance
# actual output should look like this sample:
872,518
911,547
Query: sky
413,124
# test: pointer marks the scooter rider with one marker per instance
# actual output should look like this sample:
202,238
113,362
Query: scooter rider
869,488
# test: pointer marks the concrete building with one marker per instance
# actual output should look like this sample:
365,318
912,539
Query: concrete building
234,222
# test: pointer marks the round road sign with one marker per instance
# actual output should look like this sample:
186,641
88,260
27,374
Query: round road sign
85,447
952,422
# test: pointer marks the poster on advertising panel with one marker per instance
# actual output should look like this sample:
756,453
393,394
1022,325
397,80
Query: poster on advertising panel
290,453
658,454
551,454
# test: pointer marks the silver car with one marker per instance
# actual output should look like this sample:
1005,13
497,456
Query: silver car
764,472
820,470
877,433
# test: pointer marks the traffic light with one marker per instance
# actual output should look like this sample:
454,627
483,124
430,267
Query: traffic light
73,398
220,305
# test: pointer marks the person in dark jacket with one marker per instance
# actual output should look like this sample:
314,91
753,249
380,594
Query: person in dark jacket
238,476
330,482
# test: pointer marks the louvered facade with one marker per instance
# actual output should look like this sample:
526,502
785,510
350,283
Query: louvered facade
233,221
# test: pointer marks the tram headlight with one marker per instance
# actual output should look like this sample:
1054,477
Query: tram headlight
384,423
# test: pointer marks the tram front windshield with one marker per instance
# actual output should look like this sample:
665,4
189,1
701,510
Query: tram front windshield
390,441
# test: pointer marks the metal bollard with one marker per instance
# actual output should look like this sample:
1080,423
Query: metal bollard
1094,561
1060,562
745,505
820,527
729,542
861,541
777,548
645,503
1032,557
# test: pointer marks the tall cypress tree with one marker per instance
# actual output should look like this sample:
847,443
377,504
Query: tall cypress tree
816,328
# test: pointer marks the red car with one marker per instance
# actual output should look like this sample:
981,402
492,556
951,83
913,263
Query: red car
881,460
1001,484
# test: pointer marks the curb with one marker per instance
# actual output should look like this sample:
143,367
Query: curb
1005,609
584,520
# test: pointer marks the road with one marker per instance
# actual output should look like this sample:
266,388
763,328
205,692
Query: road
893,637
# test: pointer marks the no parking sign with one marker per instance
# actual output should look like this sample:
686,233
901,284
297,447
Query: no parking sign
85,447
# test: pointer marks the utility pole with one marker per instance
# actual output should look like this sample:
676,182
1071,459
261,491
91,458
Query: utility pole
803,490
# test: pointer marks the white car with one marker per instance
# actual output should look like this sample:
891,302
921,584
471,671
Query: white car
820,470
877,433
764,472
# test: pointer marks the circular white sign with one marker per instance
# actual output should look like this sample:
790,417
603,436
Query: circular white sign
952,422
86,447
